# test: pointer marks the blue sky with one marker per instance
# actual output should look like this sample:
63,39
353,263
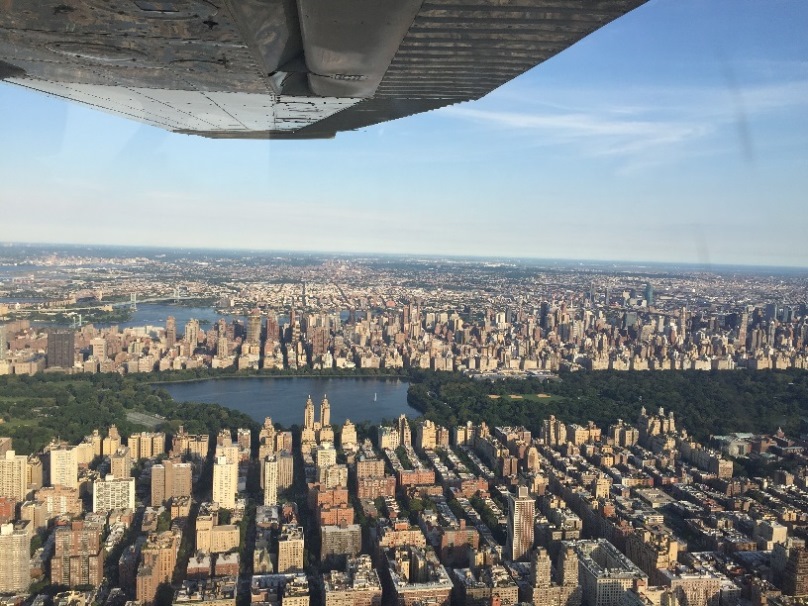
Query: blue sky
677,133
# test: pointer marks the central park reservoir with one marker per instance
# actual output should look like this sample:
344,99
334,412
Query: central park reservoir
283,398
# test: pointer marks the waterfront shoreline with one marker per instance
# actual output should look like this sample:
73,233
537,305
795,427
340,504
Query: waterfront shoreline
279,376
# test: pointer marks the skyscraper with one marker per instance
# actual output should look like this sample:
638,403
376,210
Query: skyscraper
170,479
171,332
308,415
191,335
158,560
565,590
404,434
273,330
286,469
649,295
290,549
222,347
271,480
225,483
78,555
15,562
64,467
540,569
325,412
113,493
14,475
742,329
254,325
61,349
795,580
326,457
120,462
521,518
568,567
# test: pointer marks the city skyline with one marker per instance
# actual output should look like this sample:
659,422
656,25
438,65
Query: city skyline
675,134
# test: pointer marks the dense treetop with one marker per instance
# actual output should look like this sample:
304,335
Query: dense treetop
36,408
704,402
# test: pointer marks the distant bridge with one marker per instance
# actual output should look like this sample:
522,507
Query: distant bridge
131,303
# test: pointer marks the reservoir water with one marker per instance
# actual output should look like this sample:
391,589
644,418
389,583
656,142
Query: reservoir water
283,399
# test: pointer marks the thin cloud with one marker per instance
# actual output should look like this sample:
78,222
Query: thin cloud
655,120
601,135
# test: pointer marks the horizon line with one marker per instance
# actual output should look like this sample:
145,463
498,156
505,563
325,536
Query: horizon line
703,266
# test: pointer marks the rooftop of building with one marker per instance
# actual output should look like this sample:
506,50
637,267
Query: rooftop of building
359,575
204,590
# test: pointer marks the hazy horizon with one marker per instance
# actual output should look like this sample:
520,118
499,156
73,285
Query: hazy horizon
411,256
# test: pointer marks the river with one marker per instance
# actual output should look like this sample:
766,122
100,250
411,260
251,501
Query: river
283,398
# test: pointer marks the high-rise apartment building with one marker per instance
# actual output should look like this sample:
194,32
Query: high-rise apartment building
78,556
553,431
693,587
254,324
271,480
229,451
565,589
521,520
170,479
196,445
120,463
112,442
61,349
325,413
113,493
266,439
404,434
425,435
158,559
14,476
146,445
225,482
290,549
36,473
795,579
348,438
326,456
64,467
286,469
652,550
191,335
222,347
266,446
308,414
59,500
15,559
171,332
98,347
337,542
244,438
605,574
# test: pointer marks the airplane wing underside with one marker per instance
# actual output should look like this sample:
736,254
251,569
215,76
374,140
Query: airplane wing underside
283,68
